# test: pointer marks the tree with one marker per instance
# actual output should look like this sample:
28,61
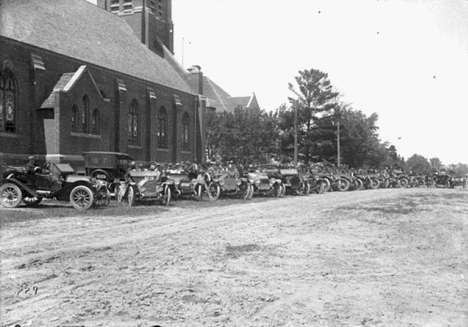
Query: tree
419,164
314,100
435,163
244,136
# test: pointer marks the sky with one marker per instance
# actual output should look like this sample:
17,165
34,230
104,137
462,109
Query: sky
406,60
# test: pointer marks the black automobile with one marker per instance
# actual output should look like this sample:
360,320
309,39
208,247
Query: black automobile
51,181
108,166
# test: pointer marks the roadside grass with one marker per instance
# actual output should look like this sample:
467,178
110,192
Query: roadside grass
235,251
56,209
408,204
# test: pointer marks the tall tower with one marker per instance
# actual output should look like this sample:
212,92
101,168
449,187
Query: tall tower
151,20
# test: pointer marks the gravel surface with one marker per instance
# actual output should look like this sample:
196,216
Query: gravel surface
396,257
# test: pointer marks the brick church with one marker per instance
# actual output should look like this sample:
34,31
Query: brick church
78,77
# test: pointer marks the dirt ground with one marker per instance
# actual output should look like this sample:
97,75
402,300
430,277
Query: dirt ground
396,257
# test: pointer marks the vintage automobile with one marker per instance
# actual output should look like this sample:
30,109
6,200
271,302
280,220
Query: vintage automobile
144,185
52,181
292,182
190,182
264,184
107,166
231,183
442,179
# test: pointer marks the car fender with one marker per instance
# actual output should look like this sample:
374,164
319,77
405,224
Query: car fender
18,183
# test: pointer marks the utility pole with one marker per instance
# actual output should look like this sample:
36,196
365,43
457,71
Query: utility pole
183,41
338,142
295,133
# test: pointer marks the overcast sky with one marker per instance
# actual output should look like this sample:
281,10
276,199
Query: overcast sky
406,60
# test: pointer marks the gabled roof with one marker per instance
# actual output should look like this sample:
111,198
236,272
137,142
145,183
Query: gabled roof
81,30
217,96
66,82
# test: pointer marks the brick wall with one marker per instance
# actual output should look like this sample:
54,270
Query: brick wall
35,134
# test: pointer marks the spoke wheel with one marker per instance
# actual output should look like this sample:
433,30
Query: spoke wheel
31,201
244,191
214,190
81,197
359,185
167,195
303,189
404,182
130,197
102,198
251,191
10,195
374,183
199,192
342,184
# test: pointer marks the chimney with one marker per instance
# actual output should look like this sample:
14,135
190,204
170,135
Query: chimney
196,79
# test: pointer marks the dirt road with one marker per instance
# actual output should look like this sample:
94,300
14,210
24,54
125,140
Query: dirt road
369,258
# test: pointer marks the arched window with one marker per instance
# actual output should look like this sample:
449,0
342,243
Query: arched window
85,114
162,128
95,122
8,96
134,123
186,132
74,118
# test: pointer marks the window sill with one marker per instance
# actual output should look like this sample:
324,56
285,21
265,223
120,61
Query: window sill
186,152
12,135
91,136
137,147
162,149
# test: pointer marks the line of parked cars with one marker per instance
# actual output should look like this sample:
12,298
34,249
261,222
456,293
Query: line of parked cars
112,174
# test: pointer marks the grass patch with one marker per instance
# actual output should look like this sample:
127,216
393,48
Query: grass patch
235,251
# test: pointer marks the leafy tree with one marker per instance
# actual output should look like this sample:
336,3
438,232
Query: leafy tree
435,163
244,136
419,164
459,170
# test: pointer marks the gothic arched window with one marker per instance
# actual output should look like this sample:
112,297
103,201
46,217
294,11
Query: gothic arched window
134,123
95,122
186,132
162,128
74,119
8,96
85,114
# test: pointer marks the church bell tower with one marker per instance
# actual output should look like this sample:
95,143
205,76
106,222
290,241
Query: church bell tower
151,21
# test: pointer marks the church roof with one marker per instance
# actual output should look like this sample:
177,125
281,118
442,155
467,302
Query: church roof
81,30
222,101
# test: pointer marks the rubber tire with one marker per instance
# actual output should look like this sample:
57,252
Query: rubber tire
214,190
342,184
245,191
199,192
130,197
167,195
404,182
81,197
104,198
304,189
327,186
251,192
374,183
13,191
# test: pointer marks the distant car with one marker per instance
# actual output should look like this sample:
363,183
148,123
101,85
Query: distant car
52,181
458,181
108,166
